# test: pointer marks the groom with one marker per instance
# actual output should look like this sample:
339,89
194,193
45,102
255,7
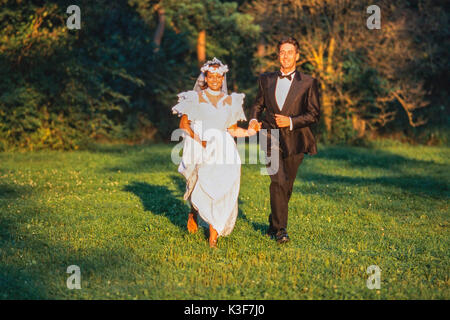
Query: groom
290,101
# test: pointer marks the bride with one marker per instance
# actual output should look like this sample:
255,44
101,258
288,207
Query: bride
210,161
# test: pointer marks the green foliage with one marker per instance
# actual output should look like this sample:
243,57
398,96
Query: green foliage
63,89
380,82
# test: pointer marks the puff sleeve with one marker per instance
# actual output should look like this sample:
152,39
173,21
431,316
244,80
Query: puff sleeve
187,104
237,112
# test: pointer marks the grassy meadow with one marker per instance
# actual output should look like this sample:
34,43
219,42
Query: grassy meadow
118,213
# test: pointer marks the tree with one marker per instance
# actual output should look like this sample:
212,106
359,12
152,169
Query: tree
366,76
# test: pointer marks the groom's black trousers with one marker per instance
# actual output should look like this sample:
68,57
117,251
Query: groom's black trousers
281,185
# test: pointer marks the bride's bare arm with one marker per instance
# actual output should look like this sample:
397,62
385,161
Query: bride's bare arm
237,132
184,124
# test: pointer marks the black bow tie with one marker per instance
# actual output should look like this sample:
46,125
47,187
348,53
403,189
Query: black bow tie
289,76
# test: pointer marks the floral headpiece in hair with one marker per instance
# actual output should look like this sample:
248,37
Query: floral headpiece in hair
208,67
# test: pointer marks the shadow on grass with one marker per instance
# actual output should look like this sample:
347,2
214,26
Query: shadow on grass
16,281
358,157
403,169
258,227
414,184
113,148
160,200
152,159
33,266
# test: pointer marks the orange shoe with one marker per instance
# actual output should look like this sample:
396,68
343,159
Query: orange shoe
212,237
192,225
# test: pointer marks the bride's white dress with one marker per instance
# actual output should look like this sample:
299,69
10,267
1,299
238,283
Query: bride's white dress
212,173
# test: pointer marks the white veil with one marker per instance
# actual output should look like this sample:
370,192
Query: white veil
223,68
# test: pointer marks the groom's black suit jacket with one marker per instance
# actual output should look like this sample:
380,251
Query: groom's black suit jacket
302,105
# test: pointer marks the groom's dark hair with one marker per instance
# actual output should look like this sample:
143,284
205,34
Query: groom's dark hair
290,40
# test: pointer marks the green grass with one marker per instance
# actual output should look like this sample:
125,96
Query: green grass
117,212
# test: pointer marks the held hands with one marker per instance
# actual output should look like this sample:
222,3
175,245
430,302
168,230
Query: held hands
253,127
237,132
282,121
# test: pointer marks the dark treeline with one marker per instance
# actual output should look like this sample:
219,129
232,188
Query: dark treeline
117,77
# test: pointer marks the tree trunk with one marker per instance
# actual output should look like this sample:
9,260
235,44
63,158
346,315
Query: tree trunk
260,54
327,101
359,125
327,107
157,37
261,50
201,47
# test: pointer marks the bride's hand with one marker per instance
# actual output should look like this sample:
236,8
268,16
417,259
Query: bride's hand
239,132
251,132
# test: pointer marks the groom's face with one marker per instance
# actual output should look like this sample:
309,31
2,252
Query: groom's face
288,56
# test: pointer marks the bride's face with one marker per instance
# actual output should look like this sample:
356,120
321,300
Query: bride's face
214,80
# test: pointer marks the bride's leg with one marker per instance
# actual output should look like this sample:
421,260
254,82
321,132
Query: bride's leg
213,235
192,224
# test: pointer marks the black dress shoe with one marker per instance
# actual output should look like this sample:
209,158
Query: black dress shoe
282,236
271,233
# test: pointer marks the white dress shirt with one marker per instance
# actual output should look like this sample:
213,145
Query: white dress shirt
281,92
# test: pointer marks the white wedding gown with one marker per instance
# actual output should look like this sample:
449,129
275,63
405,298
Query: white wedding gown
212,173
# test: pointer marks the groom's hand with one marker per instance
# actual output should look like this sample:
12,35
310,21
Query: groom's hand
254,126
282,121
